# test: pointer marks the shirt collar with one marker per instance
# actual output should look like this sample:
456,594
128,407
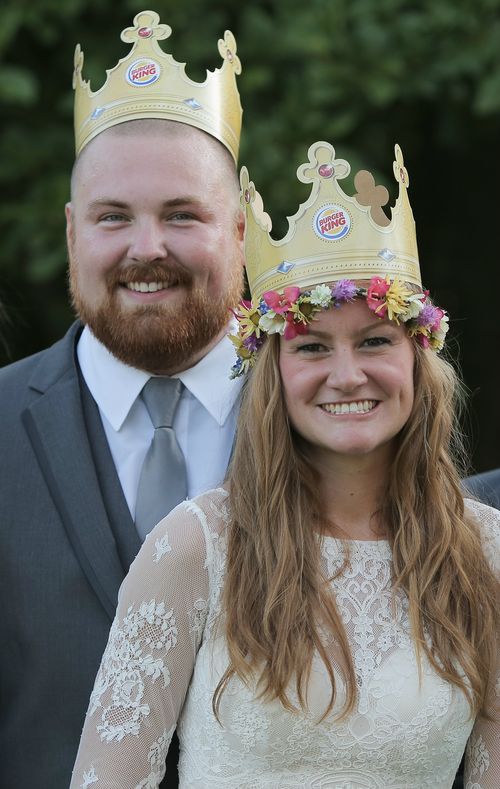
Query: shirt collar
115,385
209,380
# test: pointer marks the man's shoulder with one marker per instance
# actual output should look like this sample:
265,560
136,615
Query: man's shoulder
43,365
485,486
488,519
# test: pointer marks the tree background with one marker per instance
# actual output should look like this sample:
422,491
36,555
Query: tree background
361,74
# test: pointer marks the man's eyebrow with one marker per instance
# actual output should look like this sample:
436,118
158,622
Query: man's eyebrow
103,201
173,203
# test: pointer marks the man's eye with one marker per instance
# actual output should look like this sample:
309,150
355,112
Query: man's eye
181,216
113,218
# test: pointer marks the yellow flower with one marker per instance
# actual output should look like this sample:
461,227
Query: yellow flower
304,311
396,299
248,318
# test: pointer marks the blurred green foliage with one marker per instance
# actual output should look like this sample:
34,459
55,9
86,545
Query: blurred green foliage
362,74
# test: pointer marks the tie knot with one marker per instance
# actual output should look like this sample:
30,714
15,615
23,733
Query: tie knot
161,396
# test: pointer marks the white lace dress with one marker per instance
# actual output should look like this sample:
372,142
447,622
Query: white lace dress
164,659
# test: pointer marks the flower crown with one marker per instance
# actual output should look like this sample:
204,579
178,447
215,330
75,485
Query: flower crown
341,239
290,314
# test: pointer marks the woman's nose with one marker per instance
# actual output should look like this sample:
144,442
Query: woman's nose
346,373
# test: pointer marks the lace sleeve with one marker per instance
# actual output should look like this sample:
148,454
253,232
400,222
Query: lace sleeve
482,763
148,661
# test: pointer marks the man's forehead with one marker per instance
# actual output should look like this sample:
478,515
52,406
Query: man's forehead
146,130
185,146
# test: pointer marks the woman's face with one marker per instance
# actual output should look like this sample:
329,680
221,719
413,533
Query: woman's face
348,383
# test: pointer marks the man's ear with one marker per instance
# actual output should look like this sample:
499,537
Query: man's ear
240,225
68,210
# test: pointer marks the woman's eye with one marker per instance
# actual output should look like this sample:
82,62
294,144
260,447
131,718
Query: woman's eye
311,347
373,342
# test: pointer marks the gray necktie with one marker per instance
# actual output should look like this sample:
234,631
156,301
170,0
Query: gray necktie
163,482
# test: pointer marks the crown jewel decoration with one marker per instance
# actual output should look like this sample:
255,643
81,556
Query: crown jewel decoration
333,238
148,83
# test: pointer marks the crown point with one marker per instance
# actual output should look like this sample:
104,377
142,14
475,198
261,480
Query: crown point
326,170
78,65
400,171
146,25
227,50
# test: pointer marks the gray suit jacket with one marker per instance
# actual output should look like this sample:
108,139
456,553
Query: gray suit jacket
66,542
486,487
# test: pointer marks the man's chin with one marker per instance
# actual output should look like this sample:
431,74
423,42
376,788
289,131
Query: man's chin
150,339
161,337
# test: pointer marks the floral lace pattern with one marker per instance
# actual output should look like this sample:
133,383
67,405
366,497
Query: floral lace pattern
166,655
89,778
130,659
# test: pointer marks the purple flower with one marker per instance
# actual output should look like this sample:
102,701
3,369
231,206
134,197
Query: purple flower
344,290
252,343
428,315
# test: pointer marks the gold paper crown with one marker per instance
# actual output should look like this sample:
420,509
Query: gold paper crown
150,84
332,236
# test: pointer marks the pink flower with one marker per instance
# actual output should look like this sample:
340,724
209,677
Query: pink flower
281,303
292,328
439,314
375,296
422,340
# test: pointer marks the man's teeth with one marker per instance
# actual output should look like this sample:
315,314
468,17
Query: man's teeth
358,407
146,287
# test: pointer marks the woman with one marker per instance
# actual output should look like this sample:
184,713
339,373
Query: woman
329,617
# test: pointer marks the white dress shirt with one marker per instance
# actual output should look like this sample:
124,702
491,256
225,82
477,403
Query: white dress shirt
204,422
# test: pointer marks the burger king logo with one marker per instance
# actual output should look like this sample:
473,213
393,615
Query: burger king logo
143,72
332,222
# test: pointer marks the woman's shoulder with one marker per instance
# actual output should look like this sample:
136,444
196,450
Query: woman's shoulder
489,520
206,514
210,500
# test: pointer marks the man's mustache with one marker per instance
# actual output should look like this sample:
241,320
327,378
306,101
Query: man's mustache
170,275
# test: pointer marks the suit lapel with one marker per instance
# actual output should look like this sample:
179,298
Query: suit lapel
56,428
119,517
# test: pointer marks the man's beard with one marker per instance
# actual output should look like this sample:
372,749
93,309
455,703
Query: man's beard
157,337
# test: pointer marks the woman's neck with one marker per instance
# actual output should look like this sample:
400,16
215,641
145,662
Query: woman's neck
352,493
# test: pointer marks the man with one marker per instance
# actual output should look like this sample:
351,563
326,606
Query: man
155,248
486,487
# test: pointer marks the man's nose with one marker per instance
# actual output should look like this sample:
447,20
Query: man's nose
148,241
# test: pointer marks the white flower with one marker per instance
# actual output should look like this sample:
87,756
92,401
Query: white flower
89,778
443,325
440,335
321,295
272,323
162,547
415,306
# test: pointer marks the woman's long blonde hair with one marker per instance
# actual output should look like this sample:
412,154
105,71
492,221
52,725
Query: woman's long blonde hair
276,601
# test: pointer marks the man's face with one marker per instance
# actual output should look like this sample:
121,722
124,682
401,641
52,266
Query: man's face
155,245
